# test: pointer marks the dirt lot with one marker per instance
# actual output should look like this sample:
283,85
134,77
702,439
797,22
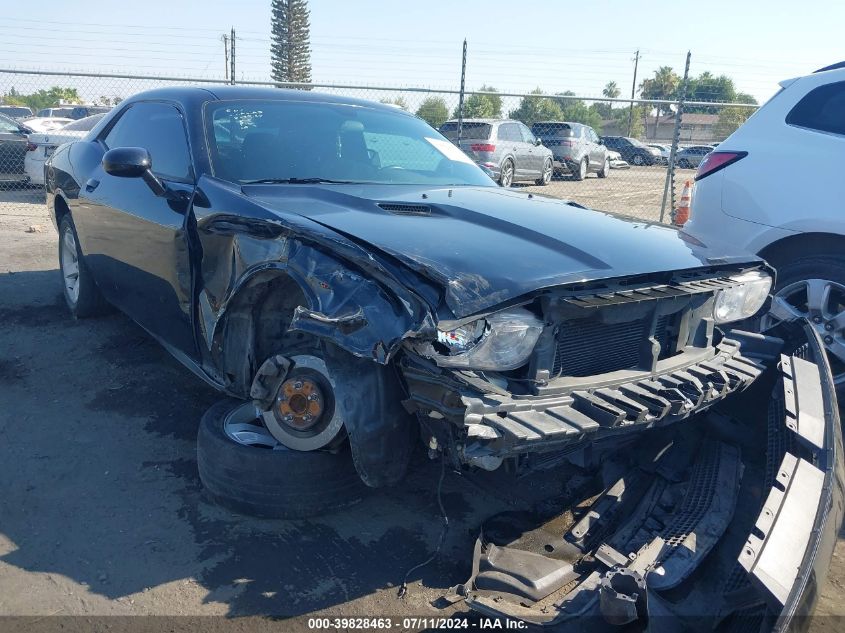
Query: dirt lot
102,511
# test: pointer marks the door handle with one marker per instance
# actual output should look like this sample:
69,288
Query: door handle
91,185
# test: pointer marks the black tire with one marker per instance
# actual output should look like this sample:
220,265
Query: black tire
638,160
89,301
547,173
579,171
274,484
503,180
605,169
684,164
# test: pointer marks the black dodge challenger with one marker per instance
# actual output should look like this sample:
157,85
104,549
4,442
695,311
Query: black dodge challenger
357,285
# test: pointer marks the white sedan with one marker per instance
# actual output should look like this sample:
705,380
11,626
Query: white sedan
40,146
45,123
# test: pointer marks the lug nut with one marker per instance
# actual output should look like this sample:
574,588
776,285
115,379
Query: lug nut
828,326
817,319
828,339
297,385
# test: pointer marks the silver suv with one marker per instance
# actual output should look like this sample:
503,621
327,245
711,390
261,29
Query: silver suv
504,147
576,147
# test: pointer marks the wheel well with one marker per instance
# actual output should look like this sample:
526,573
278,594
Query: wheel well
60,209
803,243
256,326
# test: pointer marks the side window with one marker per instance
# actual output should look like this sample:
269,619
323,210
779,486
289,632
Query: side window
591,135
821,109
509,132
158,128
527,136
8,126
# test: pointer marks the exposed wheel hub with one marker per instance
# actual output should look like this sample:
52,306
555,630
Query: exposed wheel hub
300,403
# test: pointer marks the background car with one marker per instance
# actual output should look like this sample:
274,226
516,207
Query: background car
73,111
41,145
664,150
46,124
793,218
12,150
576,148
16,111
616,161
507,148
690,157
632,150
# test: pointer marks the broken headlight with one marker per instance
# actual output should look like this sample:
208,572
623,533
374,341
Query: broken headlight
501,341
744,299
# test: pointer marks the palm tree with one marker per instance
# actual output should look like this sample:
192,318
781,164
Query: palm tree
611,90
664,85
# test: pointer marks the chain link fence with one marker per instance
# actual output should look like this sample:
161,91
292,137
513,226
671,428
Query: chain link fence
607,154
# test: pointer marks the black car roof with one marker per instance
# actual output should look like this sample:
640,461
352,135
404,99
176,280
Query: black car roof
196,95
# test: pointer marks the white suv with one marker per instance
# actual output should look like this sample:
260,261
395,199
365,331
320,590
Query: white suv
776,187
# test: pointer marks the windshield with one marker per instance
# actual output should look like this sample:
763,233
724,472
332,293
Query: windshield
305,142
635,142
15,111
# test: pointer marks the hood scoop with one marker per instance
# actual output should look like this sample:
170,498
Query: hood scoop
404,208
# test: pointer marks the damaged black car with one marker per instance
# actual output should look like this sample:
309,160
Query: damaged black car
358,285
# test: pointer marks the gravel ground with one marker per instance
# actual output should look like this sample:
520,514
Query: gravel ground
102,512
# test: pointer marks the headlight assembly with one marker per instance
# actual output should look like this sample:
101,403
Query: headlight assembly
501,341
744,299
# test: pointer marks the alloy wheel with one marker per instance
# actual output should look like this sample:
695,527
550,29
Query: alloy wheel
507,175
70,265
547,172
582,169
637,159
822,302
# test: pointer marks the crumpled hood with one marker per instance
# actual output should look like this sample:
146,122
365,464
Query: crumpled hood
487,245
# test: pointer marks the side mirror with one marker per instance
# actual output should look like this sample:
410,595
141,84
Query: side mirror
538,141
133,162
600,142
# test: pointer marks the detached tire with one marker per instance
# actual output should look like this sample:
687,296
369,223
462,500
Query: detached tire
268,483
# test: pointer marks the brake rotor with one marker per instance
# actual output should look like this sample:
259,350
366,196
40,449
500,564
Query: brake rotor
300,403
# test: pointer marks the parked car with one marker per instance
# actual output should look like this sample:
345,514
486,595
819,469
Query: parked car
663,150
46,124
576,148
12,149
73,111
16,111
616,161
691,157
40,146
632,150
374,286
794,220
506,148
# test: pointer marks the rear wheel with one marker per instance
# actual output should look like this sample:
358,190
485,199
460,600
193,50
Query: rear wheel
80,292
244,468
506,177
580,171
638,160
605,169
546,175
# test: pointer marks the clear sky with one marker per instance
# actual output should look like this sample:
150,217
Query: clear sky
514,46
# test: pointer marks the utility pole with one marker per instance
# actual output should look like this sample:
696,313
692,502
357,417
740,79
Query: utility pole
633,92
232,57
225,39
461,96
669,186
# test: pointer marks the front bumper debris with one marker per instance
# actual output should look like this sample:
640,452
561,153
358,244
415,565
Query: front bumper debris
500,425
727,524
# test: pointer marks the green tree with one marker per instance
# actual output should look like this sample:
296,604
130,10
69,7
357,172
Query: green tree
620,119
397,101
576,111
433,111
290,49
604,109
537,108
664,85
484,104
730,118
611,90
43,98
707,87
